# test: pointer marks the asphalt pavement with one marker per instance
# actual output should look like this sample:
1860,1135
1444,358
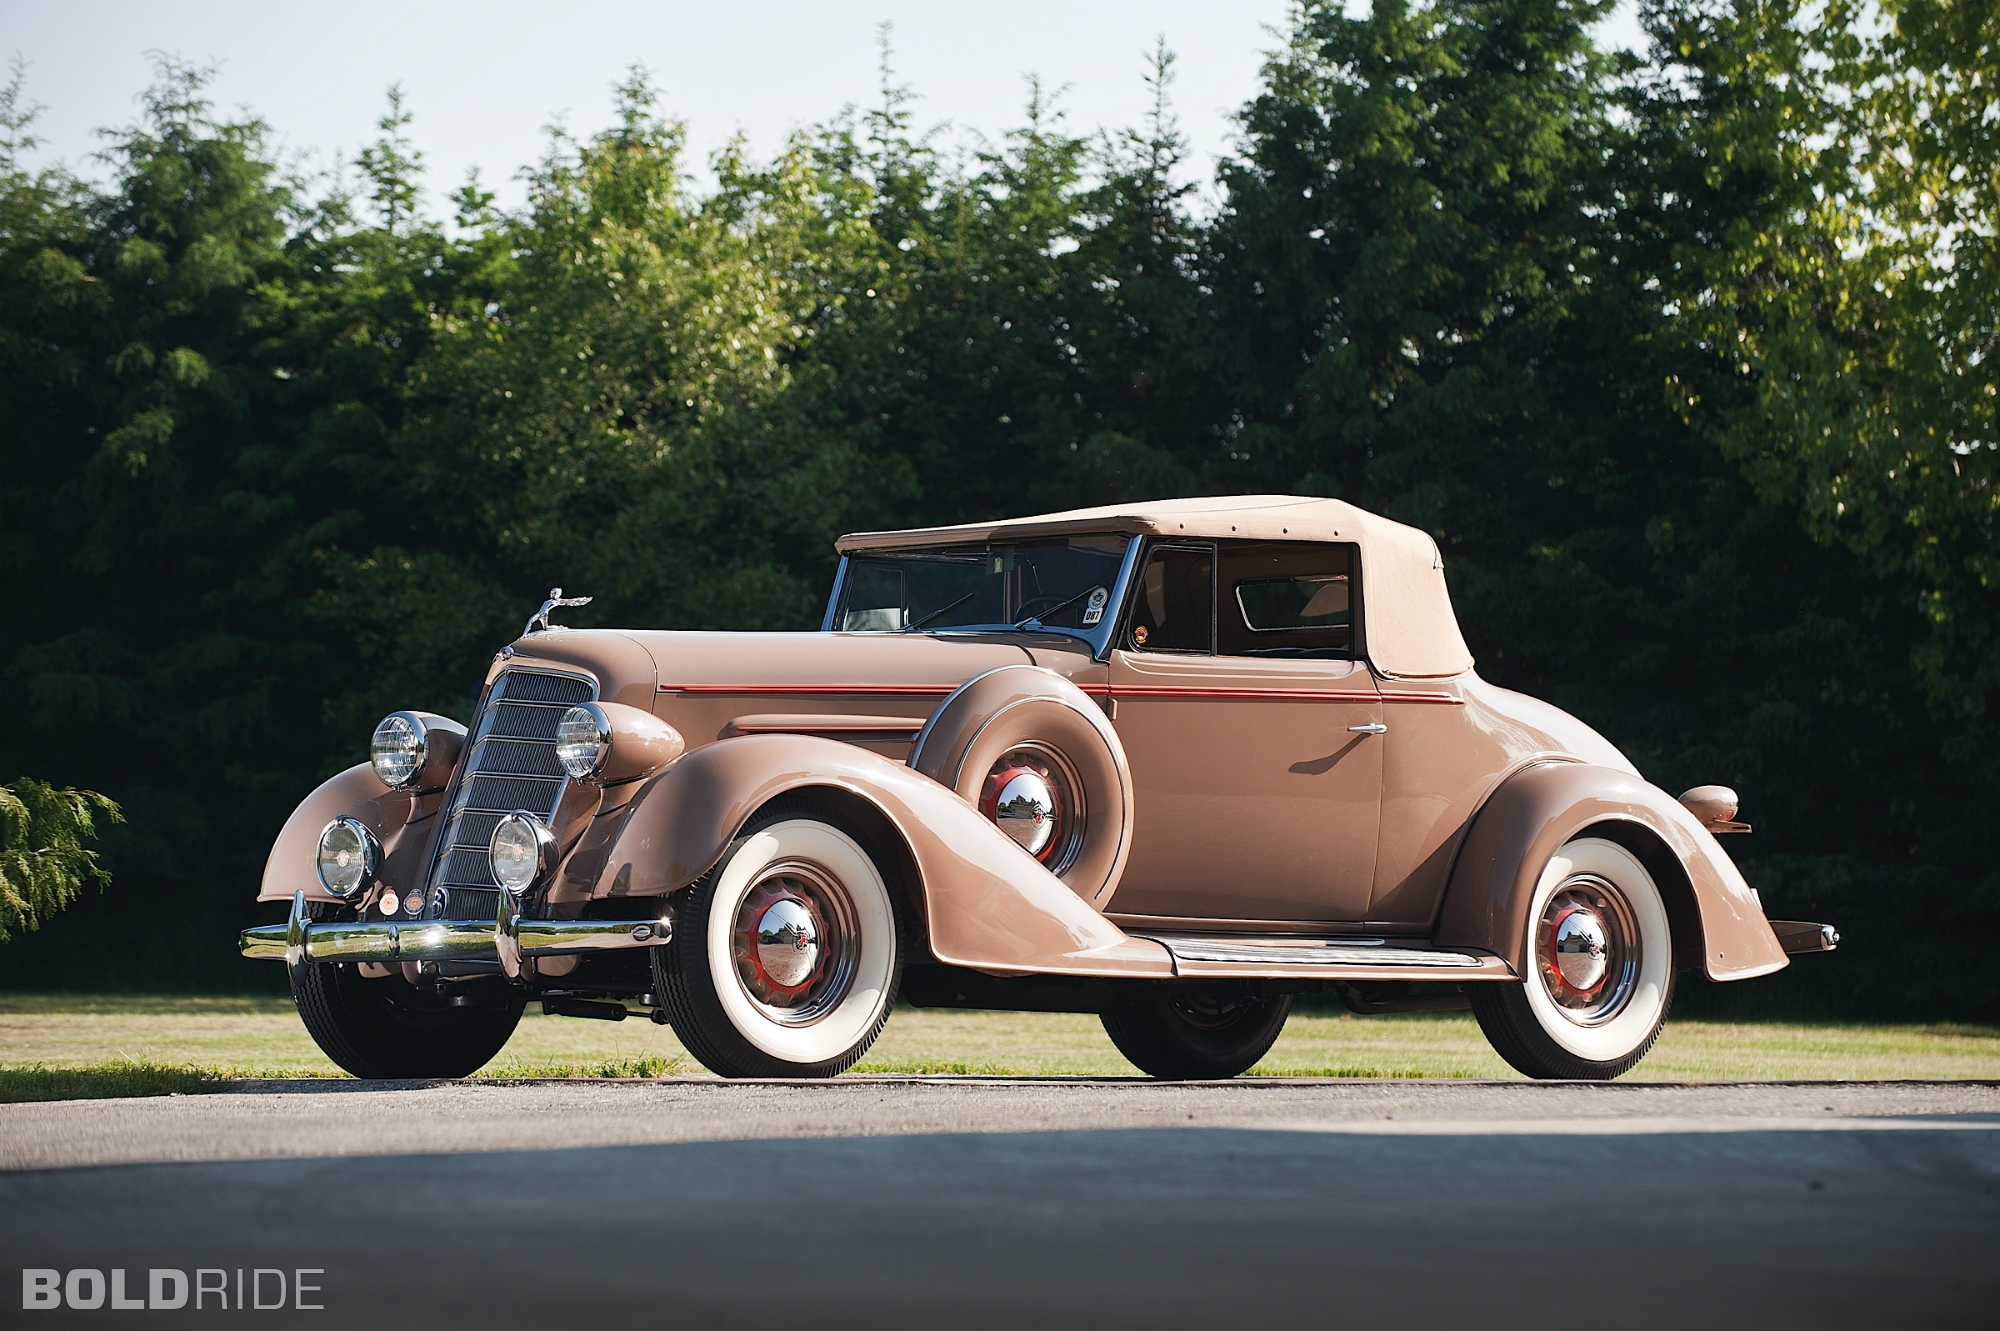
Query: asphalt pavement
949,1202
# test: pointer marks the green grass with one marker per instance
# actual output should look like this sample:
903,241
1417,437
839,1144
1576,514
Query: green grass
79,1046
102,1081
510,1068
1370,1074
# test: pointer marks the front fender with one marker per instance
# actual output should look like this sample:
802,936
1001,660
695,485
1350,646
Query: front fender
400,820
986,903
1535,811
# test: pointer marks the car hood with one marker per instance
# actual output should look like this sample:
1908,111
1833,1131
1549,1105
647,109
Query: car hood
633,666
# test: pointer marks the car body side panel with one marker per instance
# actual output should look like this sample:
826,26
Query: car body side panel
402,822
1535,812
1253,796
988,905
1450,744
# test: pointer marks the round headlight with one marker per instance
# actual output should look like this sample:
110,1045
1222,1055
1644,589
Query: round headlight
520,849
399,748
347,857
583,738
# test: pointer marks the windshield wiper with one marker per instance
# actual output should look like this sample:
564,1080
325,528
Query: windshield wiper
916,624
1041,616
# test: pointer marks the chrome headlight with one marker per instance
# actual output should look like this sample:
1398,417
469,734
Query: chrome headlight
348,856
521,849
399,748
583,740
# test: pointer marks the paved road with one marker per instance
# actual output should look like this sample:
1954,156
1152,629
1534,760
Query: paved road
951,1202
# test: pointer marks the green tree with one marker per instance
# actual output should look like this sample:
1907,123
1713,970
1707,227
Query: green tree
1684,358
43,860
1826,266
197,372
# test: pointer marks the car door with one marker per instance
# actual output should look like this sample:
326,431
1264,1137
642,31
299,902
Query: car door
1255,750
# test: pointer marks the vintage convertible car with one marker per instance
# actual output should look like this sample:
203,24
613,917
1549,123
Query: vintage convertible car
1172,763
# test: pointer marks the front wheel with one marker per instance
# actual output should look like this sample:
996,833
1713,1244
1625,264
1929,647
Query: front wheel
786,954
1198,1035
1600,970
388,1028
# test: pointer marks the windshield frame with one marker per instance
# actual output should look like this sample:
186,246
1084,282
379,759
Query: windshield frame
1100,636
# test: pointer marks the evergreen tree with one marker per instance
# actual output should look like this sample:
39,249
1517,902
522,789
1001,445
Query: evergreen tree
1685,359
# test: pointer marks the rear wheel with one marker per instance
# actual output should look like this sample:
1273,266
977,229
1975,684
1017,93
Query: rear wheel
1600,970
786,955
1198,1035
389,1028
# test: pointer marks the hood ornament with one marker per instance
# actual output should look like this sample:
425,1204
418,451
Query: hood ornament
555,602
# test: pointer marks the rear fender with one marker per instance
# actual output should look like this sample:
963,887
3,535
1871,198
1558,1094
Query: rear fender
1537,810
986,904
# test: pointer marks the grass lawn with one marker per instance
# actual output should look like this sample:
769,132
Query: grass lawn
63,1047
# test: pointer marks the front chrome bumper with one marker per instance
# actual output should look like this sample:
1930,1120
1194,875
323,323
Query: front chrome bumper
508,939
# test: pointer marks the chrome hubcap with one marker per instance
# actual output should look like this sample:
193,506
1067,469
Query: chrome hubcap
1587,950
788,943
795,940
1025,808
1032,795
1577,940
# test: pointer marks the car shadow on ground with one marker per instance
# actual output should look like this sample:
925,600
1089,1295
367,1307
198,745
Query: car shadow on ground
1162,1227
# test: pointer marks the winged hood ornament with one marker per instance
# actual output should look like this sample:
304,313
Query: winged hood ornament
539,621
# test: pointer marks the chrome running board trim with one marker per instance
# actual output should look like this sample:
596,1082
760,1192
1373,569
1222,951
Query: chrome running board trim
299,940
1296,951
1291,956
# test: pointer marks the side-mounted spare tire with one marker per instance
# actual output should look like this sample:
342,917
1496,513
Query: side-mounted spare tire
1033,753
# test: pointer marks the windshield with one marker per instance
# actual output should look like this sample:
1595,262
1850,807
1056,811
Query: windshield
1061,583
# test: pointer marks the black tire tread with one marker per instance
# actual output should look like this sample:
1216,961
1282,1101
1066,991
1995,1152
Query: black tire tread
1511,1028
351,1023
1160,1044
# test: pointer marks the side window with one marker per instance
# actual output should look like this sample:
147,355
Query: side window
1287,599
1174,610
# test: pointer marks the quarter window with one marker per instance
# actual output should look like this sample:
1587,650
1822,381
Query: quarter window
1287,599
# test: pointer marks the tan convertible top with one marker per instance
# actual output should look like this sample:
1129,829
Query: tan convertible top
1411,631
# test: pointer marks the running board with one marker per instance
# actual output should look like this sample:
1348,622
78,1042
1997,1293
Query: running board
1250,956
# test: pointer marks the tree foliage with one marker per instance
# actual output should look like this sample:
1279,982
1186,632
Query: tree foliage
1684,357
43,860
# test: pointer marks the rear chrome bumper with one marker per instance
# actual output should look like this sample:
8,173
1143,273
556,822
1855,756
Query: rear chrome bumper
1796,936
508,939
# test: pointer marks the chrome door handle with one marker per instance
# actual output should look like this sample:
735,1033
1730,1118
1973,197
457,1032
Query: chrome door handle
1372,728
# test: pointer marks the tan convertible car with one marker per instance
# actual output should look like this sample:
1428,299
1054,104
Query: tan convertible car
1172,763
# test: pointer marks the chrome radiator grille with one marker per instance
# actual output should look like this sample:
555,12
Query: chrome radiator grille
509,765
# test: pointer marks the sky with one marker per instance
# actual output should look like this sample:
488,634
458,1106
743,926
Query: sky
485,79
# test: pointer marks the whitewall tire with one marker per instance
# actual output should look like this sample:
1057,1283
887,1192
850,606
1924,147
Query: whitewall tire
786,955
1600,969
